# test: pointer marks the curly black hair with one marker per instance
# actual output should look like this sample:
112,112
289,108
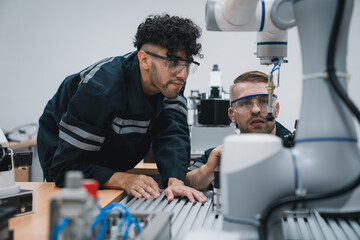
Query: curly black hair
170,32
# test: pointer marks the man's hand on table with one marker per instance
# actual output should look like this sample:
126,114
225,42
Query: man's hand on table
177,188
139,186
136,185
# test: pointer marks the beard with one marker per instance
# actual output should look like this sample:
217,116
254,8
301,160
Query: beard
266,127
164,88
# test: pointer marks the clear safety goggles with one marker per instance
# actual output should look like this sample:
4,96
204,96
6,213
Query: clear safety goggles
245,104
177,64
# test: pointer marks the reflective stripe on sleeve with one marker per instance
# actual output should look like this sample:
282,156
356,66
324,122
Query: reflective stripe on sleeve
179,98
178,104
93,71
77,143
126,130
126,126
82,133
82,73
131,122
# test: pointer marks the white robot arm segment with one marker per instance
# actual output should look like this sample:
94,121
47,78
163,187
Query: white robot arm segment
270,18
249,15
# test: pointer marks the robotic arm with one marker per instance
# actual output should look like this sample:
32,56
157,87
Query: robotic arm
269,18
325,159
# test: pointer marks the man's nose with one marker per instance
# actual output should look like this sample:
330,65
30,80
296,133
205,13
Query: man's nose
183,74
255,107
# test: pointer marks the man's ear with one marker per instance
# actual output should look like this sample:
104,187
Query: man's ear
231,114
277,109
144,60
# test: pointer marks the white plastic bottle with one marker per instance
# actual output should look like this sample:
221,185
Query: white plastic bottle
215,85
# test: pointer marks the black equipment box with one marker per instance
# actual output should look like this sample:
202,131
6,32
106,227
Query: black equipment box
213,112
22,201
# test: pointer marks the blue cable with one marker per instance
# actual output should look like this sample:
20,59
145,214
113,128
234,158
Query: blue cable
102,217
278,64
103,213
60,227
130,220
126,218
133,220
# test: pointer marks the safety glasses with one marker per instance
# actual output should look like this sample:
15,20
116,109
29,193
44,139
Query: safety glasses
177,64
245,104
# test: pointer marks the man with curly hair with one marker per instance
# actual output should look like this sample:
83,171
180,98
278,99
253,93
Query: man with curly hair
102,120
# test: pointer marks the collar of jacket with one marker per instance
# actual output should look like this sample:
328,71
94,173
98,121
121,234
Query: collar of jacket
137,102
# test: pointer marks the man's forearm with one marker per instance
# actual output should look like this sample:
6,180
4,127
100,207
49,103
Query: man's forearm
200,178
117,181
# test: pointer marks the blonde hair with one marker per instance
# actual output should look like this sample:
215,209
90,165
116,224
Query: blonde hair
251,76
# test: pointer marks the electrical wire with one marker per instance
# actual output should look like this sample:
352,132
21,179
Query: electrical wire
129,220
60,227
102,217
276,66
126,218
343,95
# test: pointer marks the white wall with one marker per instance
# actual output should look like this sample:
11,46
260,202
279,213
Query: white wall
43,41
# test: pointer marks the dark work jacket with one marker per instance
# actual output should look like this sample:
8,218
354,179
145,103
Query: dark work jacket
281,132
100,122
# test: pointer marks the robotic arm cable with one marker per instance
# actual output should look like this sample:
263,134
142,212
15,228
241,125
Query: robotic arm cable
270,87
